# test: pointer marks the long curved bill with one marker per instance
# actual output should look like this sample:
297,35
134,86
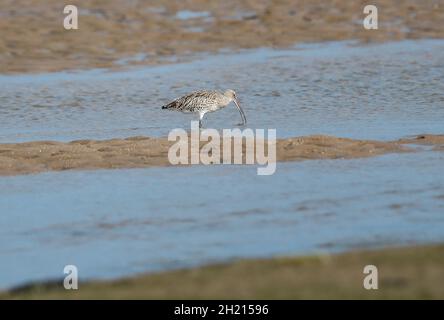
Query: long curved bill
244,119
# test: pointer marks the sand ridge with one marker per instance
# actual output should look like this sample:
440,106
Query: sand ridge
141,152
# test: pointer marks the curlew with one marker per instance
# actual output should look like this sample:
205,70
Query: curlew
205,101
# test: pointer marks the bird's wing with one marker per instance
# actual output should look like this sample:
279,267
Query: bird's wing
196,99
193,100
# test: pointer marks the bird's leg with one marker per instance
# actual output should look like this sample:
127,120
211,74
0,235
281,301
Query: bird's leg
201,115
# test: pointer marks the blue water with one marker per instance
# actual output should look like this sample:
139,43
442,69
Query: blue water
187,14
380,91
113,223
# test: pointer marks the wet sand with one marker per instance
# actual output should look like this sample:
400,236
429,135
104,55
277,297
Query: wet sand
401,276
139,152
116,33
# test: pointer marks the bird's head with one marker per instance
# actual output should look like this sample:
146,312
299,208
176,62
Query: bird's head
231,94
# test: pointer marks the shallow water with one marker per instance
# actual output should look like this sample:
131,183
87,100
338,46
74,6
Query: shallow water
381,91
113,223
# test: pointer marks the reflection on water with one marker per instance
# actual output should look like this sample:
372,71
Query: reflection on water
382,91
113,223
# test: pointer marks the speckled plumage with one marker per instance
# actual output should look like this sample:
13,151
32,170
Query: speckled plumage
198,101
204,101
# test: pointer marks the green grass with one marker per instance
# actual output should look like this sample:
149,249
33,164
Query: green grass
404,273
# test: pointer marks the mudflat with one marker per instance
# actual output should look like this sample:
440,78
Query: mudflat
144,32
